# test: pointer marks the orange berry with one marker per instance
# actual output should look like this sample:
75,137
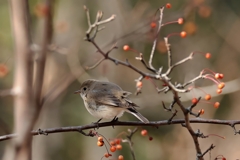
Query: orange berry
3,70
216,104
117,141
180,20
126,47
41,10
221,85
139,84
208,55
119,147
100,144
217,75
219,91
168,5
100,138
153,25
144,132
183,34
221,76
120,157
147,77
112,143
194,101
208,97
113,149
106,155
201,111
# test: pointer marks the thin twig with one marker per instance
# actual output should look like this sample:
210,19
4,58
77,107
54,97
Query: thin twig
156,38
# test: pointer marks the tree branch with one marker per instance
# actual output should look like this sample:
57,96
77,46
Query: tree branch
121,123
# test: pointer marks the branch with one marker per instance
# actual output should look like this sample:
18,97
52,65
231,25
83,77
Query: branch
156,38
121,123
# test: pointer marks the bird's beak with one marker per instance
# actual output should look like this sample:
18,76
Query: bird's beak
77,92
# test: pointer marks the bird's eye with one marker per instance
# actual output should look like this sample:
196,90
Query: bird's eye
84,88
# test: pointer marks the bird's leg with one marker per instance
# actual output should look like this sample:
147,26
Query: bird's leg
115,119
99,120
97,123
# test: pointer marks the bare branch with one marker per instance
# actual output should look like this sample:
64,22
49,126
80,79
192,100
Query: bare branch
156,38
121,123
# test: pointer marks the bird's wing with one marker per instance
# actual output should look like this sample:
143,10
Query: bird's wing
105,97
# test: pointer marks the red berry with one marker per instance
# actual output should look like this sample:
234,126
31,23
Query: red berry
100,144
219,91
216,104
221,85
150,138
117,141
112,143
120,157
180,20
139,84
208,97
217,76
168,5
113,149
201,111
3,70
100,138
183,34
221,76
208,55
106,155
119,147
144,132
194,101
126,47
153,25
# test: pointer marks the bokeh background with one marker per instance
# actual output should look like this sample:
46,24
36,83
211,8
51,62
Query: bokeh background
212,26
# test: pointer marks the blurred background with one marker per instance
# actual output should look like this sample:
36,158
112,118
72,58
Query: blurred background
211,26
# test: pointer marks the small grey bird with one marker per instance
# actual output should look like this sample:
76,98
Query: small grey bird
106,100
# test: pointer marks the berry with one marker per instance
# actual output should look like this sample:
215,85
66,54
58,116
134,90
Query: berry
217,76
139,84
208,55
112,143
117,141
208,97
126,47
100,144
180,20
153,25
216,104
219,91
3,70
201,111
119,147
168,5
221,85
144,132
183,34
100,139
106,155
120,157
150,138
194,101
221,76
113,149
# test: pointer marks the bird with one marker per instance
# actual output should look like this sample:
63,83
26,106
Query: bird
106,100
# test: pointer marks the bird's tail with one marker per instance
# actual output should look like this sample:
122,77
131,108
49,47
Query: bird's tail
138,115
